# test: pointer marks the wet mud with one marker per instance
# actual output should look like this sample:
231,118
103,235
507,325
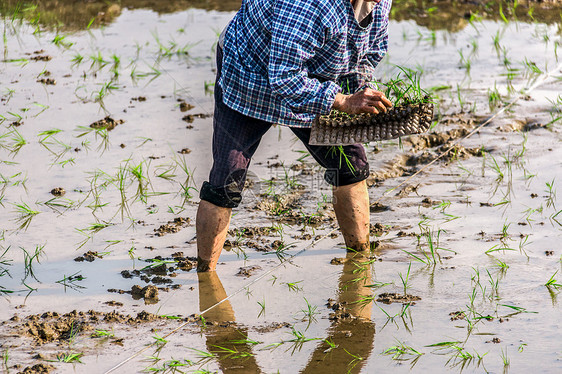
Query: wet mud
463,272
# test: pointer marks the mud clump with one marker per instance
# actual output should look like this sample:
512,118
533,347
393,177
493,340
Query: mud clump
184,107
433,140
38,369
248,271
455,316
377,207
47,81
89,256
250,232
391,297
41,58
338,261
172,226
340,311
107,123
191,117
51,326
58,191
148,293
113,303
378,229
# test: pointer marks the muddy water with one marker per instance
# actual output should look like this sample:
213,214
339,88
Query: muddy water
314,313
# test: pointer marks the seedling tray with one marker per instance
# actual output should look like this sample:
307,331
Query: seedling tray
338,128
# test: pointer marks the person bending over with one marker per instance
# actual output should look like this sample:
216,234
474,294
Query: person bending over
285,62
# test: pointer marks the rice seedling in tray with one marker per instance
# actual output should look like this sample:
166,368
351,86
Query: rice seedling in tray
412,113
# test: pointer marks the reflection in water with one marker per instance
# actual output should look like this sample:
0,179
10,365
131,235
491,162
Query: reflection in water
72,15
351,335
224,338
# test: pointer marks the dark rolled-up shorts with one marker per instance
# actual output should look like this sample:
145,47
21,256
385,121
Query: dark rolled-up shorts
236,138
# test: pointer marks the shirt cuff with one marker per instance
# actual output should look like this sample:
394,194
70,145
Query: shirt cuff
330,93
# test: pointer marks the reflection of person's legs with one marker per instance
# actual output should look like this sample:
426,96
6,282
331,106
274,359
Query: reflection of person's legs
235,140
352,336
225,337
346,169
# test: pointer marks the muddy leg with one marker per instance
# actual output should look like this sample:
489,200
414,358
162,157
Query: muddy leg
212,226
351,204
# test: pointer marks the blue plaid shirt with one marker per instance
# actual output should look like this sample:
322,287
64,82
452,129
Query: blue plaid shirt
285,60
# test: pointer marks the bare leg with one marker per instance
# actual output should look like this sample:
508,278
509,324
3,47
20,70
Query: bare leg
351,204
211,226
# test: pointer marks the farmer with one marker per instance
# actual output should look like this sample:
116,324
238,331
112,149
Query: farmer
284,62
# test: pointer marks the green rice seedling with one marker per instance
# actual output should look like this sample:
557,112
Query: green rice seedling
5,262
71,281
356,359
160,341
186,187
505,358
203,356
556,111
154,263
516,309
30,258
402,352
552,282
502,266
4,291
121,184
166,172
15,144
293,286
465,62
405,279
262,308
231,353
59,202
89,232
502,15
310,312
377,284
102,334
497,248
47,134
209,87
290,180
551,197
494,286
99,133
553,218
331,345
496,41
98,62
532,71
70,357
106,88
26,214
298,340
142,181
5,358
61,41
494,99
131,252
77,59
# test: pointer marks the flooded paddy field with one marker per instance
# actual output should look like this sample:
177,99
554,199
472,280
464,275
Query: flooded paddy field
105,135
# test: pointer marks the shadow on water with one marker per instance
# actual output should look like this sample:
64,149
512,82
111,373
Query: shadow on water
451,15
346,348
